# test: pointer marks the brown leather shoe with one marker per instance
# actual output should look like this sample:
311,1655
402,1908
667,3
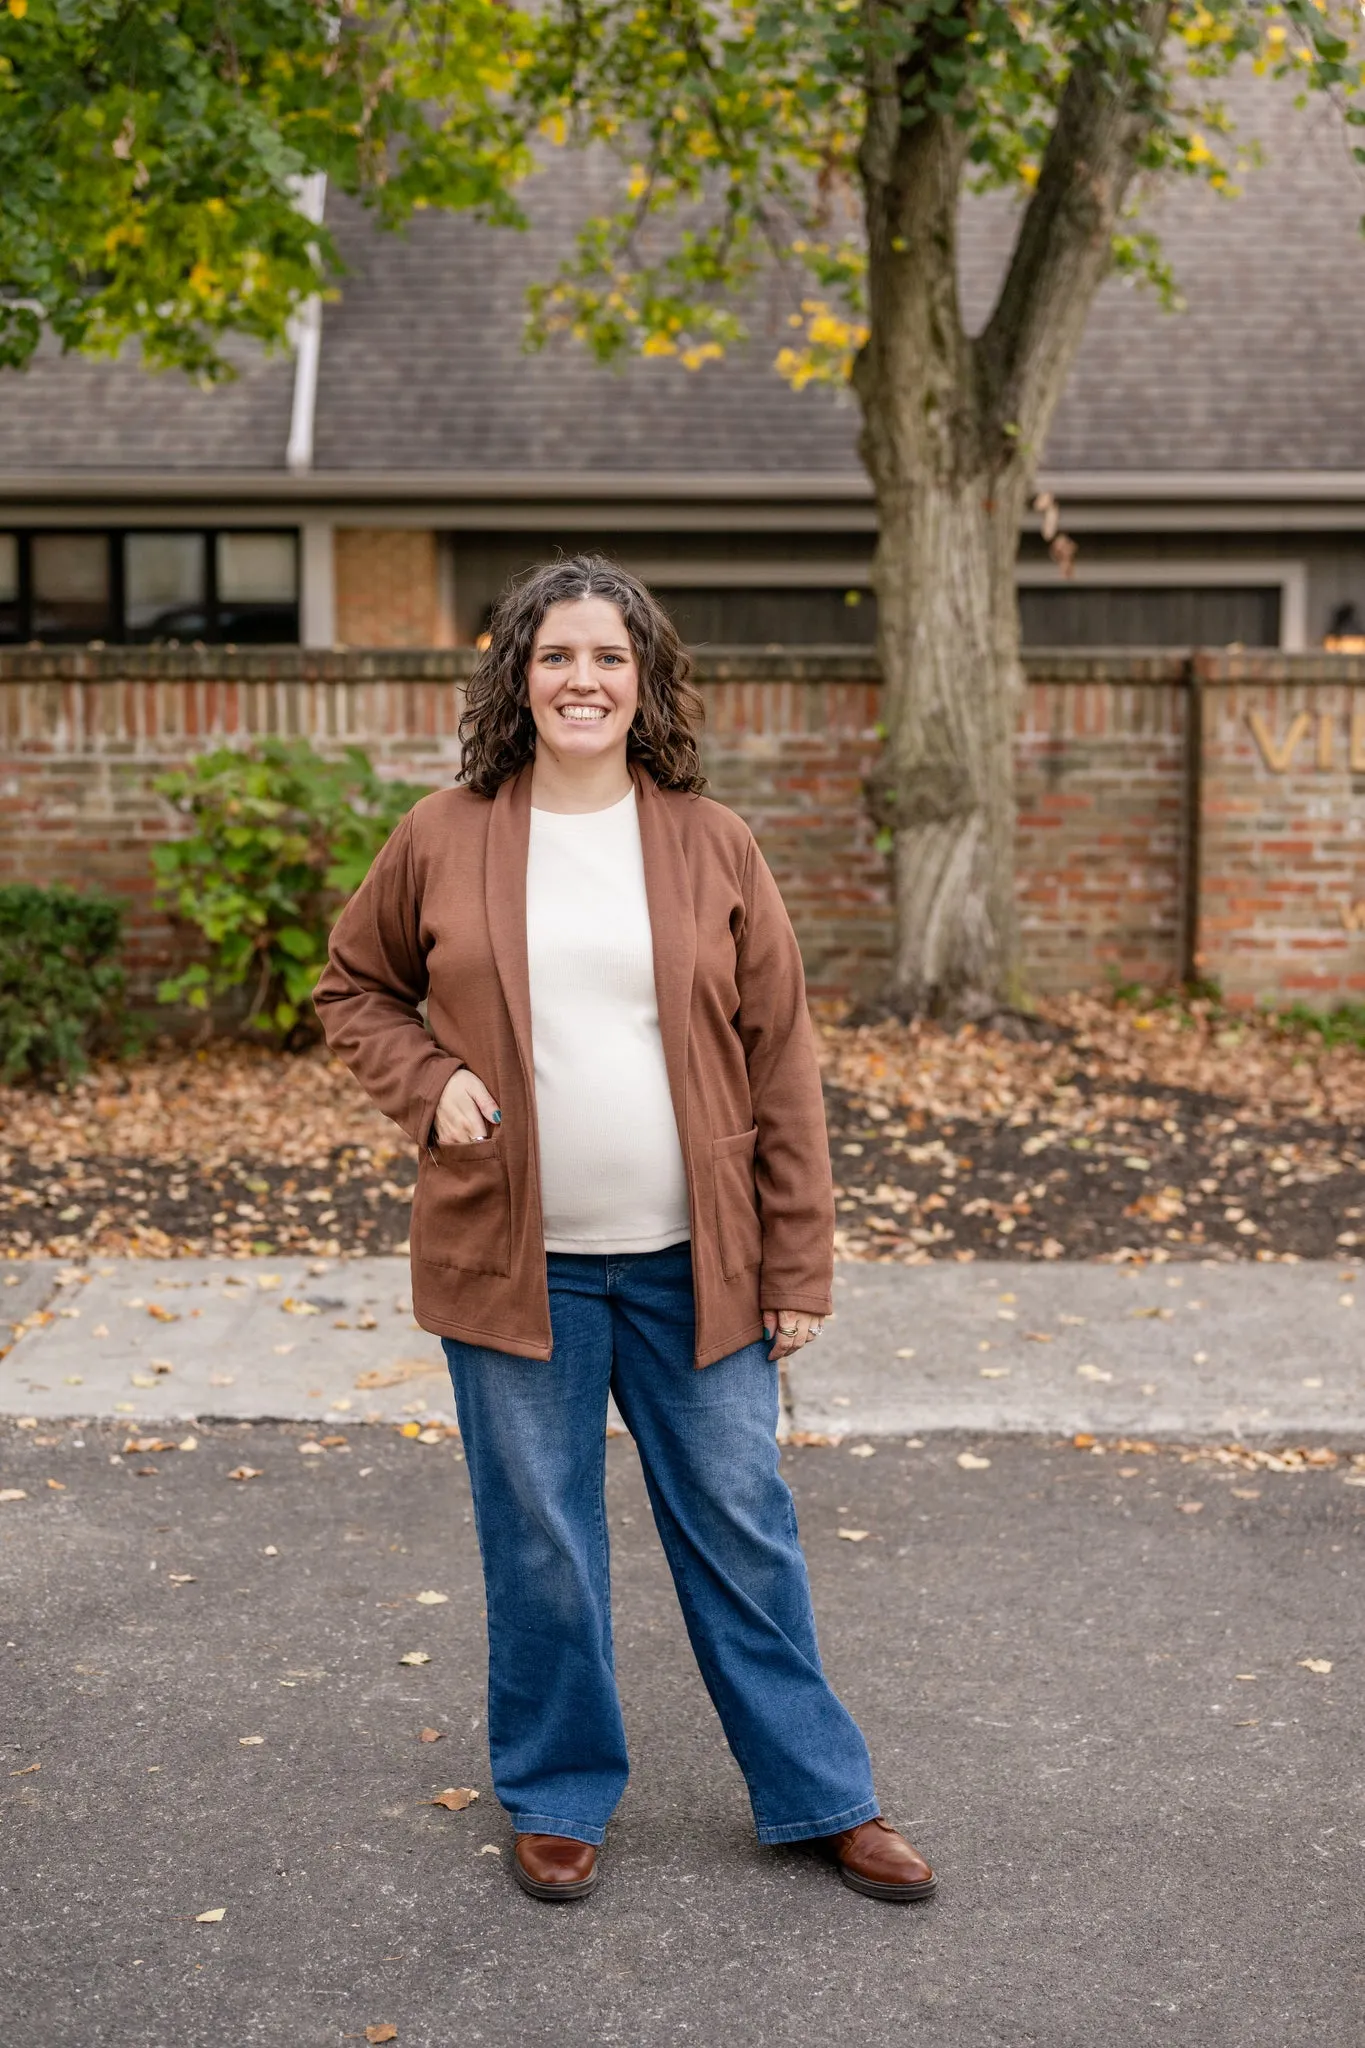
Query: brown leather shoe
875,1860
555,1866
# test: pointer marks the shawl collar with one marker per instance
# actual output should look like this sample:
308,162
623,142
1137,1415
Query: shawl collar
671,912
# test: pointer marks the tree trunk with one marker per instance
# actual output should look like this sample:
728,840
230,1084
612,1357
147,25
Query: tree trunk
951,430
948,639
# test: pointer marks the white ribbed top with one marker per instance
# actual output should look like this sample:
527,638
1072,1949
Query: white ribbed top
611,1167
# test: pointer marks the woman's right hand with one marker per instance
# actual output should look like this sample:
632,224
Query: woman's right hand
464,1110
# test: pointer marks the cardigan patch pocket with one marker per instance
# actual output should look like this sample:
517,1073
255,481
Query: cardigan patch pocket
737,1224
462,1213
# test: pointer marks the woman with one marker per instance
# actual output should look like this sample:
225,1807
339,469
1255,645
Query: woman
623,1186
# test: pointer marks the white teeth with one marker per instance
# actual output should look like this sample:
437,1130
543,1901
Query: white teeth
582,714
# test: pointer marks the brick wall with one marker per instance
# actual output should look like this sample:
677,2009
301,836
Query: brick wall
388,587
1105,821
1283,827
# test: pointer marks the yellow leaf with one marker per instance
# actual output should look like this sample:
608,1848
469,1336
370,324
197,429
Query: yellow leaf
432,1599
969,1461
18,8
415,1657
1321,1665
855,1535
214,1913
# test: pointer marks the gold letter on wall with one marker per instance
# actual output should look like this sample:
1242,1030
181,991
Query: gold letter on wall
1277,758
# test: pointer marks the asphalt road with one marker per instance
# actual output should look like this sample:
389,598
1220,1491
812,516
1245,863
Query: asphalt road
1136,1844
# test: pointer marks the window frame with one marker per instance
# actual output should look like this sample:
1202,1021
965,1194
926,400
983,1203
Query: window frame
119,633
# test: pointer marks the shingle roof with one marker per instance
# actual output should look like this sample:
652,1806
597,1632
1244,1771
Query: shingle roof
423,368
82,413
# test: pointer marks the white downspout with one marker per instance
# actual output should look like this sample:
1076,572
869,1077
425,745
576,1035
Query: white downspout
306,336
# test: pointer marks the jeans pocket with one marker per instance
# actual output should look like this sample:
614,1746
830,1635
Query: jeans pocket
737,1224
462,1211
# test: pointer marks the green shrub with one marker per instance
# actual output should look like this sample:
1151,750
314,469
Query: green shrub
280,838
60,982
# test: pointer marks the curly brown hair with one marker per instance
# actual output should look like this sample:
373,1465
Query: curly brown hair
497,732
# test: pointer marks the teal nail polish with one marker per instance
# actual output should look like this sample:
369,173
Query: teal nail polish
497,1116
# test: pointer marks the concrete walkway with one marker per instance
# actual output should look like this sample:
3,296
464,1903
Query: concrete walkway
1209,1351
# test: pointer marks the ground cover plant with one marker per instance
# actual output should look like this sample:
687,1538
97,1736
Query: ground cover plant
1129,1131
60,981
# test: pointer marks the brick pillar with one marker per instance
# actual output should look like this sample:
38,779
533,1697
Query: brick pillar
388,587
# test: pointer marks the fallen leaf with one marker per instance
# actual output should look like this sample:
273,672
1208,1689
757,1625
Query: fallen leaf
398,1373
214,1913
1038,1337
1246,1492
995,1372
335,1443
282,1350
291,1306
147,1444
12,1493
855,1535
490,1849
862,1451
1322,1665
415,1657
410,1429
25,1771
1093,1372
430,1735
432,1599
384,2031
430,1436
969,1461
1082,1441
189,1443
251,1741
162,1365
267,1280
455,1798
245,1472
57,1485
311,1449
142,1379
162,1315
181,1578
1191,1507
908,1353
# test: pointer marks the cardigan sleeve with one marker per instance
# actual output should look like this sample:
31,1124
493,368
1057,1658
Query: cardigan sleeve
367,997
795,1186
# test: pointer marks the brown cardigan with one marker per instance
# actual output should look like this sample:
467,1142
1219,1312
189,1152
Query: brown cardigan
442,915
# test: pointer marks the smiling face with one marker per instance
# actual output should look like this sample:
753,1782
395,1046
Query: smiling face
582,681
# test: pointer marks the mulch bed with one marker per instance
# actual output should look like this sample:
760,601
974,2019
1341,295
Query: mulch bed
1120,1133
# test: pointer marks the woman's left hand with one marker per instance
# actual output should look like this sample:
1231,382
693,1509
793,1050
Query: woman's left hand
787,1329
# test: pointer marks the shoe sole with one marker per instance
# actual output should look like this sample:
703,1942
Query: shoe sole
894,1894
553,1894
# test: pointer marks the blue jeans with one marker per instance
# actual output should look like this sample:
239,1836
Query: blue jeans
534,1436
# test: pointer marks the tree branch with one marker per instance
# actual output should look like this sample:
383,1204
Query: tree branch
1064,244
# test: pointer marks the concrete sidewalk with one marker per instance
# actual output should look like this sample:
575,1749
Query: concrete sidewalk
1208,1351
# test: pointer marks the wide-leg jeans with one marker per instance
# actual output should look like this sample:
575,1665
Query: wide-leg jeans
534,1434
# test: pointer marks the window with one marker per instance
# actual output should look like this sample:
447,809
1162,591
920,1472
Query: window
1110,616
9,587
70,586
149,587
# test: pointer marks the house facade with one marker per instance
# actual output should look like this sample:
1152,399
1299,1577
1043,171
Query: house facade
378,487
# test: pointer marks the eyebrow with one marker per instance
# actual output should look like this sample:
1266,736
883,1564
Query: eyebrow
602,647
